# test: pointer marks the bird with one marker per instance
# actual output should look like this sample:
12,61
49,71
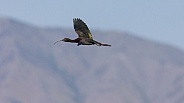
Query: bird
84,35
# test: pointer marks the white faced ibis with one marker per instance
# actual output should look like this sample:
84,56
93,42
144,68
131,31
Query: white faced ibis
84,35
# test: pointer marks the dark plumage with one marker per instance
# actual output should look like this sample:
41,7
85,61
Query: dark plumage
84,35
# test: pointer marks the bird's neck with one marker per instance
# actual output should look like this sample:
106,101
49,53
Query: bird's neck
73,41
69,40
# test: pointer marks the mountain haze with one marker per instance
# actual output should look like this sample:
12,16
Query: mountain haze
133,70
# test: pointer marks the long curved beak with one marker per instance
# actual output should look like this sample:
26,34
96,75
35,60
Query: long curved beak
58,41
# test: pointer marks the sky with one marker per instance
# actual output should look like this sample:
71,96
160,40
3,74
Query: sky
158,20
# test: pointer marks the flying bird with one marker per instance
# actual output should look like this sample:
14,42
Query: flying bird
84,35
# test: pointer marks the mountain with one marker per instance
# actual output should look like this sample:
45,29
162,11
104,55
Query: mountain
133,70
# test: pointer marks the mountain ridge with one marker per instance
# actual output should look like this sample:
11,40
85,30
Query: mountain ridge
133,70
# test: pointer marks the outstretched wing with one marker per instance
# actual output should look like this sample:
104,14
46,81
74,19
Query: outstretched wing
81,28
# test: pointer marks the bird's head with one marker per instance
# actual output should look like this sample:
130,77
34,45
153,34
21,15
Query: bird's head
66,40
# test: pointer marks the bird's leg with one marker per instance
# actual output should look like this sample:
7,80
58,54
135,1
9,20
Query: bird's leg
98,44
79,44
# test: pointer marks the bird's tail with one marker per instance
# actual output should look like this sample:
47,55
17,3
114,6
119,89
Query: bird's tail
105,45
100,44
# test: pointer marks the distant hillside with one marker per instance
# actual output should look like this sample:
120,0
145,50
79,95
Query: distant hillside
133,70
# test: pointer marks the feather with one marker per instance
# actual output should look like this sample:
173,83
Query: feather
81,28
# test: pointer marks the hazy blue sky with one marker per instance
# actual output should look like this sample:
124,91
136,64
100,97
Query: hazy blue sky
160,20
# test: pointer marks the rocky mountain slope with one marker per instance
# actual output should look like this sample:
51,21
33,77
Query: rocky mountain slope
133,70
